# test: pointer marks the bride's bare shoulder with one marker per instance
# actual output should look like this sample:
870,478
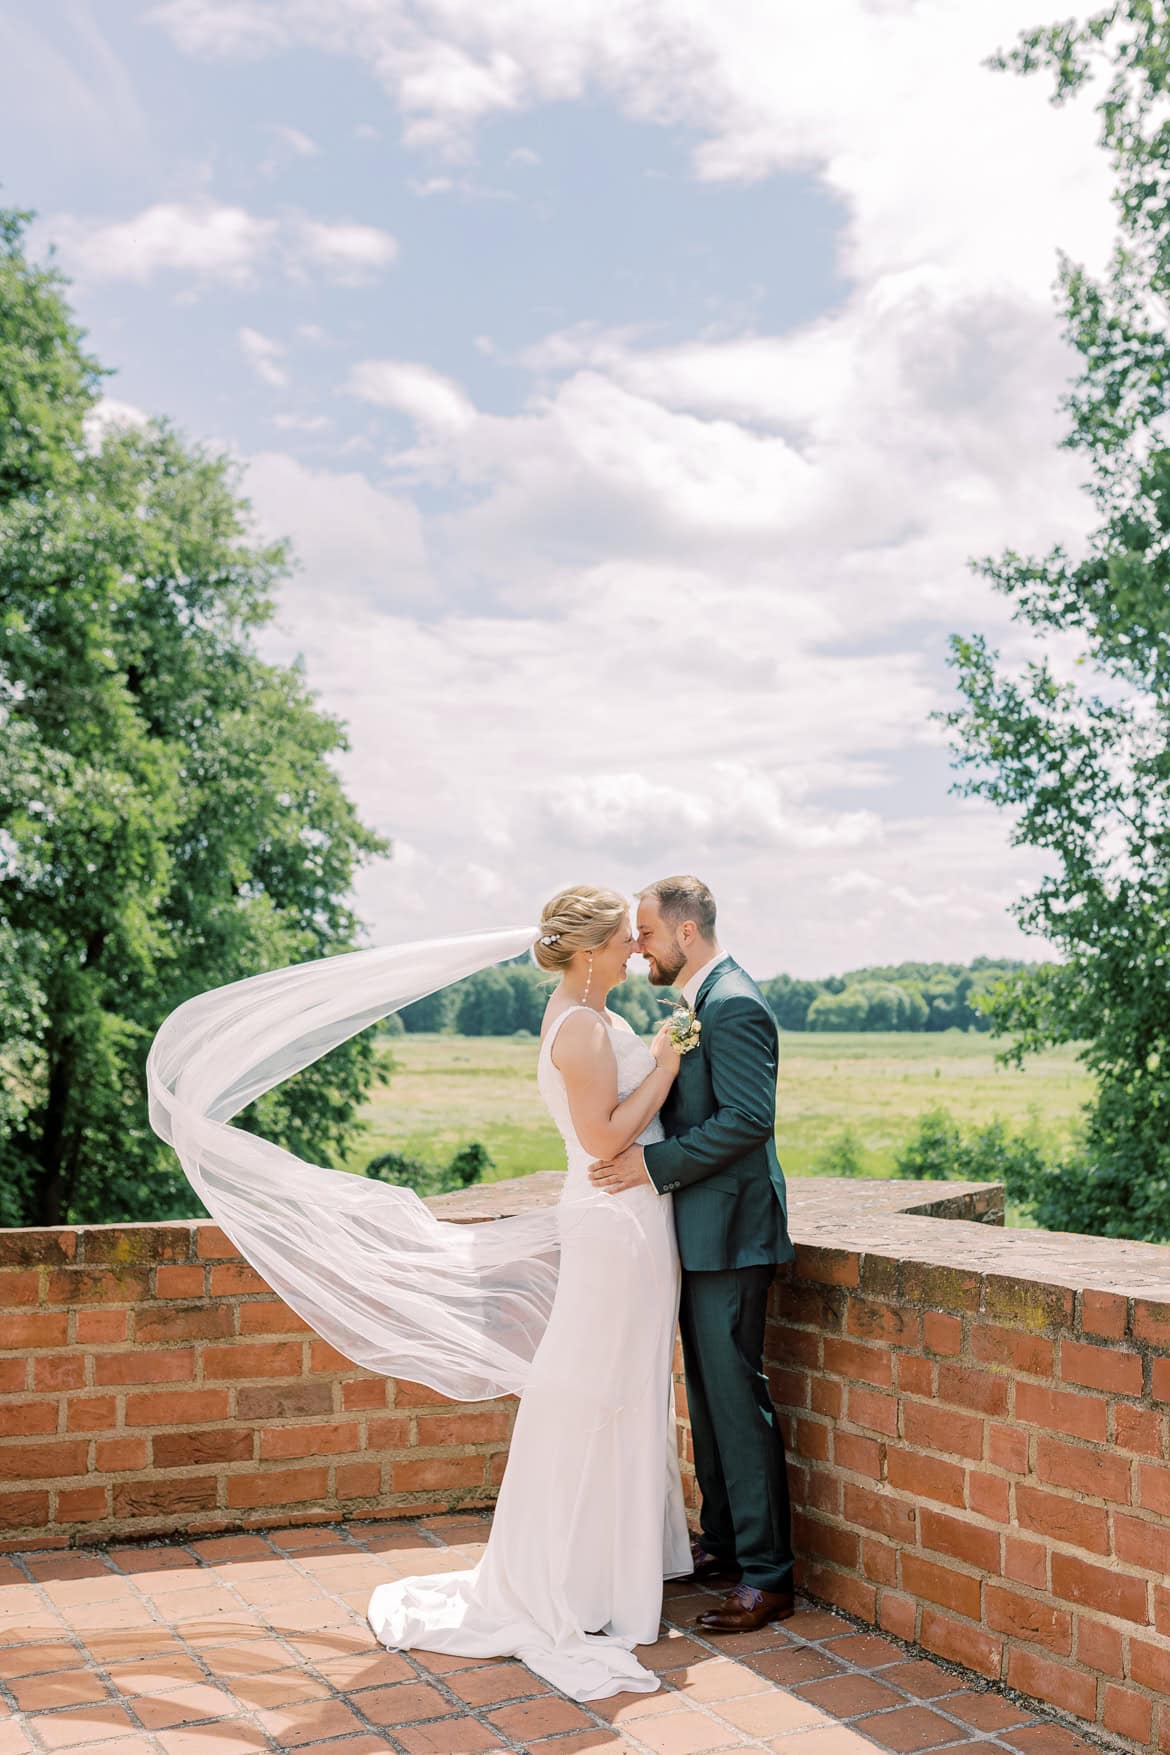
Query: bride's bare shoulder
581,1026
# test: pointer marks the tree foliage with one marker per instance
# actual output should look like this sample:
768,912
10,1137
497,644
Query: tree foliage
1081,755
169,816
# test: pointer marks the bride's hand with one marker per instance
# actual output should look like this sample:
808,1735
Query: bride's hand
665,1052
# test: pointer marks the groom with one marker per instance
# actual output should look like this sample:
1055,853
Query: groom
719,1161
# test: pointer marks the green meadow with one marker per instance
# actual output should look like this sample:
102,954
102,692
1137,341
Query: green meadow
444,1091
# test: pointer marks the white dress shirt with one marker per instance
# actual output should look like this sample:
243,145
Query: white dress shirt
690,992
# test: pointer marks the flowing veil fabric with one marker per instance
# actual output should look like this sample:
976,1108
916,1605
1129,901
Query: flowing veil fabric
461,1308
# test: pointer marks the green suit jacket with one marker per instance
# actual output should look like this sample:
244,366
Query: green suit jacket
719,1157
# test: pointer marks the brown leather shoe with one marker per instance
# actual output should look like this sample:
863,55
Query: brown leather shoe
710,1569
746,1608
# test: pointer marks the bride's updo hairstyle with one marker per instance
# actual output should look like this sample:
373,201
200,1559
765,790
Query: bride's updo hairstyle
579,919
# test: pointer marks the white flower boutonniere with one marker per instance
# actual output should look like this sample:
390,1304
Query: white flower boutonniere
683,1028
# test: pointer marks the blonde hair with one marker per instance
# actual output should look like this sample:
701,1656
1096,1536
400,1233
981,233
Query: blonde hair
582,918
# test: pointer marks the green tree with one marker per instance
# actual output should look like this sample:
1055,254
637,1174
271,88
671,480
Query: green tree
846,1010
433,1012
1084,765
170,819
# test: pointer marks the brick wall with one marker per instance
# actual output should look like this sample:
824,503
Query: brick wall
977,1420
150,1381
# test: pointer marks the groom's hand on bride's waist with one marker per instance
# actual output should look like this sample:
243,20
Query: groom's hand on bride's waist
616,1175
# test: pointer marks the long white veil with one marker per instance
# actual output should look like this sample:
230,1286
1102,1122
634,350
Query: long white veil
459,1307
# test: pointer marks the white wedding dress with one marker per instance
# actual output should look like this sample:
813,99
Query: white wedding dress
590,1515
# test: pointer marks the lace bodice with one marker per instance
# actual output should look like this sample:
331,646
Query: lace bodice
634,1062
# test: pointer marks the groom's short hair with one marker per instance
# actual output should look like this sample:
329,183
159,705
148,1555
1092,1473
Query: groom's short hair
684,898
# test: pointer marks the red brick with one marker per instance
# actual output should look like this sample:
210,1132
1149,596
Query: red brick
883,1322
29,1419
826,1540
1151,1322
1059,1684
941,1585
487,1426
1096,1473
896,1518
130,1245
253,1359
23,1247
927,1477
182,1322
811,1440
1104,1313
211,1244
970,1542
41,1328
942,1334
177,1494
94,1285
990,1495
879,1561
1031,1355
1128,1714
1162,1608
281,1442
363,1392
1026,1303
91,1413
52,1457
960,1643
417,1474
873,1410
117,1455
827,1397
236,1279
277,1487
268,1316
100,1328
1160,1380
915,1375
982,1391
1149,1665
1100,1647
283,1401
897,1615
1100,1588
182,1450
1061,1519
789,1389
793,1346
941,1429
13,1375
1055,1410
82,1504
843,1590
392,1433
169,1365
943,1288
1154,1489
58,1371
1024,1617
324,1359
1138,1429
176,1407
19,1286
1025,1562
827,1267
180,1281
1007,1448
1115,1370
1142,1544
19,1510
861,1456
855,1360
359,1480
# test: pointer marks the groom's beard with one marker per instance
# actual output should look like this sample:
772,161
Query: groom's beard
663,974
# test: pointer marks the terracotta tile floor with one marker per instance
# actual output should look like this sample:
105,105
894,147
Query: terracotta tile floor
239,1643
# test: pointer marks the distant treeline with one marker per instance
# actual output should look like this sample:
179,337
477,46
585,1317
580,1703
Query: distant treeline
905,996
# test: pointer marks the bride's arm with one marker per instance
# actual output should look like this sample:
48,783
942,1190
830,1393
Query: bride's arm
585,1059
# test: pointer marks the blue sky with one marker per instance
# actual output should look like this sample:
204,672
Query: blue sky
634,386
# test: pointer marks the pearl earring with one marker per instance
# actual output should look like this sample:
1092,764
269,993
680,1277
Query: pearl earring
588,981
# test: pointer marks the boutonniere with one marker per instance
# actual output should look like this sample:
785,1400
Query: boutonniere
684,1027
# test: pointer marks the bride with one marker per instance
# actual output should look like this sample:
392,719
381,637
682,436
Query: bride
574,1307
590,1513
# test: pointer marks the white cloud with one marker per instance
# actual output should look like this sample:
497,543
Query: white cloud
347,253
264,355
437,404
302,423
108,415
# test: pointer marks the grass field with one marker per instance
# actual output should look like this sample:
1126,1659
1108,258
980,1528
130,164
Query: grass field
444,1091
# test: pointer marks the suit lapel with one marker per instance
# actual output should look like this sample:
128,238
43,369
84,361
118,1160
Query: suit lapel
721,968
